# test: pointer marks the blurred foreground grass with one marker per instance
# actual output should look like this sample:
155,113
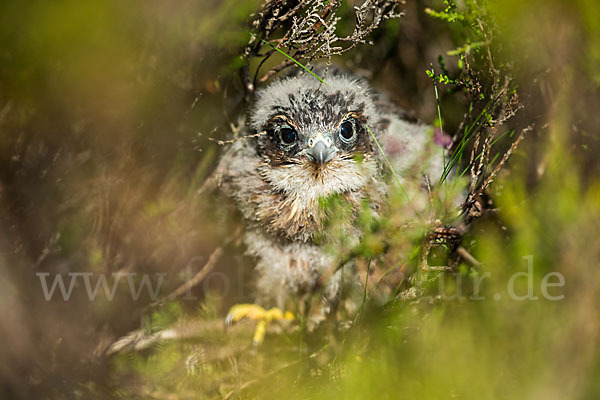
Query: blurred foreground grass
466,344
106,113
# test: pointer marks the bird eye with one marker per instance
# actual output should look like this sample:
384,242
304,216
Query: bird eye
346,131
288,135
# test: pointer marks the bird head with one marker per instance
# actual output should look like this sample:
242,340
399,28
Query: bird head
315,135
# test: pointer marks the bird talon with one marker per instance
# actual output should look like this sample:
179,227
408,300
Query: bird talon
259,314
259,333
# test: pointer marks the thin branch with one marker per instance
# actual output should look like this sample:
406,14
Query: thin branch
200,275
513,147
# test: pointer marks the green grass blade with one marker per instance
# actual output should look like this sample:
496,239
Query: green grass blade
298,63
465,139
389,164
437,101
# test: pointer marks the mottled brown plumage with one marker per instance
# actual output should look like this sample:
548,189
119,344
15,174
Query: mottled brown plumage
311,141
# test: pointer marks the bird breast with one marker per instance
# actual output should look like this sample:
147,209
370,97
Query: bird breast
293,206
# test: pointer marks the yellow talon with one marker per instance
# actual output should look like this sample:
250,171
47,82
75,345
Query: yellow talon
257,313
259,332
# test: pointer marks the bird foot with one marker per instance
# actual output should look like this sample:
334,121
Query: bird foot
259,314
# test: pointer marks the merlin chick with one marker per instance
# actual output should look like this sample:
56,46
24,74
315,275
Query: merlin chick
307,141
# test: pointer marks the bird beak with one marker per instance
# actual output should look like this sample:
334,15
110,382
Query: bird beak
320,153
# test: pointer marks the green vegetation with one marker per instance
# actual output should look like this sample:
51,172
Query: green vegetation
110,115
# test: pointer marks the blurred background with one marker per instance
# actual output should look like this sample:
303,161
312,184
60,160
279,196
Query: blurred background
109,116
